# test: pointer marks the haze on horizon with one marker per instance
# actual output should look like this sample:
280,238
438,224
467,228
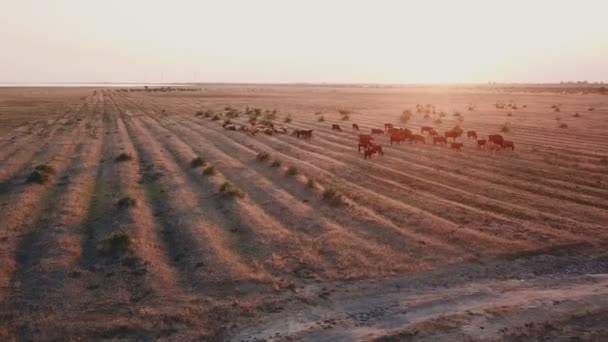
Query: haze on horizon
305,41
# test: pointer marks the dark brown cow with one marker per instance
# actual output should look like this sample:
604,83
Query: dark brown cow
496,139
377,131
481,143
439,140
305,133
417,138
355,127
425,129
472,134
387,126
508,144
456,146
398,137
365,141
452,134
369,151
335,127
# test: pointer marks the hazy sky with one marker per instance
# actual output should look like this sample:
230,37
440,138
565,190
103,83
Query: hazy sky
303,41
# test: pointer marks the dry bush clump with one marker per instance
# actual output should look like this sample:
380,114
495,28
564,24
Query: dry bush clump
345,114
457,113
405,116
262,156
209,170
461,119
321,118
438,121
231,190
310,183
215,117
427,116
41,174
226,122
275,163
197,162
576,115
123,157
126,202
506,128
208,113
291,171
199,113
332,195
509,114
116,243
318,112
287,118
591,109
442,114
563,125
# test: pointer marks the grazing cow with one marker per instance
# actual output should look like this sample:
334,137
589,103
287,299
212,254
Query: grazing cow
370,150
425,129
508,144
406,131
417,138
439,140
398,137
387,126
481,143
355,127
472,134
394,130
496,139
335,127
452,134
456,146
365,141
305,133
377,131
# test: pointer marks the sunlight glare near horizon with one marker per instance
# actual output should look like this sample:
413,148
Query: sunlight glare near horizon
307,41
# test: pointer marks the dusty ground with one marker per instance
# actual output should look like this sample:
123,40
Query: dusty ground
428,244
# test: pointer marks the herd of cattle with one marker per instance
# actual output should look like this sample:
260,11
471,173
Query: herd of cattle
396,135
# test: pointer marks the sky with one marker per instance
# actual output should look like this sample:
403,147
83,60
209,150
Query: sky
284,41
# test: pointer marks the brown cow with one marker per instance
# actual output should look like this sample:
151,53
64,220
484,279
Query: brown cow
416,138
425,129
369,151
472,134
387,126
377,131
398,137
439,140
496,139
365,141
508,144
355,127
452,134
456,146
481,143
335,127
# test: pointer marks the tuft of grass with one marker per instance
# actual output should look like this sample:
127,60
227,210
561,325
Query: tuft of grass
563,125
197,162
275,163
262,156
332,195
126,202
231,190
123,157
209,170
321,118
116,243
291,171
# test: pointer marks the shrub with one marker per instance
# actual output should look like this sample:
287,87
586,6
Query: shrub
209,170
123,157
226,122
275,163
199,113
427,116
461,119
287,119
197,162
45,169
505,128
231,190
126,202
215,117
405,116
321,118
442,114
208,113
591,109
318,112
332,195
563,125
116,243
438,121
345,117
457,113
41,174
292,171
310,183
576,115
557,109
262,156
509,114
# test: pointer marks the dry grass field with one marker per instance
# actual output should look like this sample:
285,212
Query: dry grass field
112,229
